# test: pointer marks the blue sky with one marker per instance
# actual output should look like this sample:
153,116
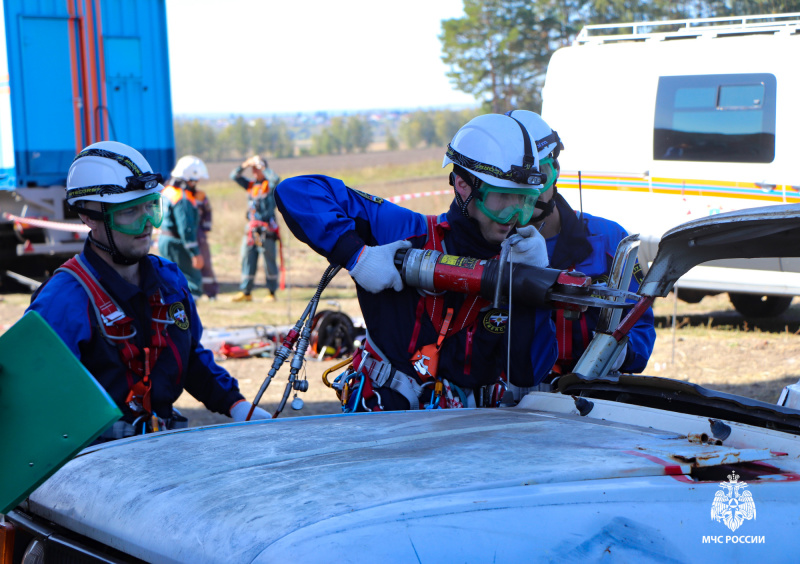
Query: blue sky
281,56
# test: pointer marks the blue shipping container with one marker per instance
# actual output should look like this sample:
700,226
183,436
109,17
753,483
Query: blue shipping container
81,71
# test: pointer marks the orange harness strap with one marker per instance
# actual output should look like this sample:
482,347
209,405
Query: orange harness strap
117,327
426,359
433,305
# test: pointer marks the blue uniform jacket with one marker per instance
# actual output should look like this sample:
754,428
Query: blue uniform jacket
588,245
183,364
337,221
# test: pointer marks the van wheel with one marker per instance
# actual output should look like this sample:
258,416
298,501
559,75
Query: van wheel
692,296
755,305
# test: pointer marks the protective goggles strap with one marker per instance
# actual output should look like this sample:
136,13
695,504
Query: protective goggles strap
92,214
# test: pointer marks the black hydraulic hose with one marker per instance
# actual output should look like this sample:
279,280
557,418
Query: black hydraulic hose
301,330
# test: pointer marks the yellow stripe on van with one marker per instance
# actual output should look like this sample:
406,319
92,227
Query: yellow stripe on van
683,187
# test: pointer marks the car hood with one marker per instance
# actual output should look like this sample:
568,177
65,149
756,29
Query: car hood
279,489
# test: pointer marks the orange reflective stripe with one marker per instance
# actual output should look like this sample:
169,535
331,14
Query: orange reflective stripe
258,189
173,194
191,197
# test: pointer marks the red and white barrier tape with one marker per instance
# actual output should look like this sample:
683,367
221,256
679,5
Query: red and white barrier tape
404,197
80,228
47,224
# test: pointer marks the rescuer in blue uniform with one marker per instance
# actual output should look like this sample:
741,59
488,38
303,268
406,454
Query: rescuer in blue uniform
586,244
262,234
493,167
129,316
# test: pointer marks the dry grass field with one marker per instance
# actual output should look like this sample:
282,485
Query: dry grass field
710,345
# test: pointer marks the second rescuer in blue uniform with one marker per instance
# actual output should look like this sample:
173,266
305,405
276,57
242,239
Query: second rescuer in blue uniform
586,244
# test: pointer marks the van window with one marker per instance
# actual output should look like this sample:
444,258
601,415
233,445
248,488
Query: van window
715,118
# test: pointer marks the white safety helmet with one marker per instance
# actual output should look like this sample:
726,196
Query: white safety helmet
543,136
190,168
498,150
110,173
496,153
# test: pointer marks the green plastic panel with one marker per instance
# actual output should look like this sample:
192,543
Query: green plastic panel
50,407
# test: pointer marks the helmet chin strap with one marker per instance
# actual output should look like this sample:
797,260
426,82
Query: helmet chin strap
547,208
469,179
112,248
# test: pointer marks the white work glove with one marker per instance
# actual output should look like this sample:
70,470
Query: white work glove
375,270
240,410
529,248
621,358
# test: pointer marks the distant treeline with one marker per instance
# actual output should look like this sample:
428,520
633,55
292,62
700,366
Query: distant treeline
239,138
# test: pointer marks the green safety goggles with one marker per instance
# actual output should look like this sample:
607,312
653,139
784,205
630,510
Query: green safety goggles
504,205
131,217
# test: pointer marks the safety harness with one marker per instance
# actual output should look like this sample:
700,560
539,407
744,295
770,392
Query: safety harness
433,305
117,328
255,191
379,373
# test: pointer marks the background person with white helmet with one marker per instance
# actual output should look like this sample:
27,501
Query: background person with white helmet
450,349
128,316
585,243
261,235
179,238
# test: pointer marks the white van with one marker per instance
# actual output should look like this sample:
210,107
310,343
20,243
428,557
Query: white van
671,121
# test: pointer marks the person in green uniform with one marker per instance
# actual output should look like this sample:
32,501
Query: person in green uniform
179,232
262,234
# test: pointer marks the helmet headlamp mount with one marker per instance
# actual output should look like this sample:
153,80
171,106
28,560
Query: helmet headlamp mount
146,181
529,176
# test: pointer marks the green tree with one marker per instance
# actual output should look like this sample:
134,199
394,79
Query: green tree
193,137
391,141
260,137
498,51
271,138
359,133
755,7
338,135
238,135
419,128
448,122
281,144
322,143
